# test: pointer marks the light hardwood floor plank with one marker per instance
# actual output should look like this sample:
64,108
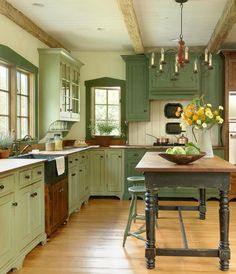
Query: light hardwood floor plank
91,242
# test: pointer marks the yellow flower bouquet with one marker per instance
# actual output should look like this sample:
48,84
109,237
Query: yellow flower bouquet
199,115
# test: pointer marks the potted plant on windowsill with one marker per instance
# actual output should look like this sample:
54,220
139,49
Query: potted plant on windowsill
102,132
5,144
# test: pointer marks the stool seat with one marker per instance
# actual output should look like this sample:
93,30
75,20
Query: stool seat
137,190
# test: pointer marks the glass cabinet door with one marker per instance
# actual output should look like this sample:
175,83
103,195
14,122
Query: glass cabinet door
75,94
65,100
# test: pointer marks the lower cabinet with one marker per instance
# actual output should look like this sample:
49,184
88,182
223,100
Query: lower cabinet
56,205
78,180
21,215
107,172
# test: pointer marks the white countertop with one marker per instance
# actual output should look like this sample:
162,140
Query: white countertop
12,164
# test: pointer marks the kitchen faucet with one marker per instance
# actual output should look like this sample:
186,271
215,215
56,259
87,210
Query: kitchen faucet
25,148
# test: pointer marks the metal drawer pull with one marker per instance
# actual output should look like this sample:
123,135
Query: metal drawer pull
70,162
61,190
15,204
27,177
39,172
101,156
73,174
2,186
83,156
80,170
76,159
34,194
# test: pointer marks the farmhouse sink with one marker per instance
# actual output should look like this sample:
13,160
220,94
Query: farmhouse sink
50,169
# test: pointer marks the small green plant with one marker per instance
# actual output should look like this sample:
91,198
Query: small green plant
6,140
102,128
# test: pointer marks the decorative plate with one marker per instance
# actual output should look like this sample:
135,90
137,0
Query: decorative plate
182,159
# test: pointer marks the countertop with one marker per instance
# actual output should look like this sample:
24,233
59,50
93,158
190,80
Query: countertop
13,164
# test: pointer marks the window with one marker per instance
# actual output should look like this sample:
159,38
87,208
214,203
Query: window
4,99
106,108
23,93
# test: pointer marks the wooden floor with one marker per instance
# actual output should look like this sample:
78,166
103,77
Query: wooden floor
91,242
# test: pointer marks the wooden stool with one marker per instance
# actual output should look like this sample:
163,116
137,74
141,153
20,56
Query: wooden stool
137,190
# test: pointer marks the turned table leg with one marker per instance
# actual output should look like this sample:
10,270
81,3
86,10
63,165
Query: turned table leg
150,212
202,204
224,250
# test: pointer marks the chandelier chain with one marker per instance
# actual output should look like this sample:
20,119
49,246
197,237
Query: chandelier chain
181,22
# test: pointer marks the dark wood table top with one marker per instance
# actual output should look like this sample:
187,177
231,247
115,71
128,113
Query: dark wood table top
152,162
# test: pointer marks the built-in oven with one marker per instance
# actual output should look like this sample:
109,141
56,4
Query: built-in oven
232,143
232,106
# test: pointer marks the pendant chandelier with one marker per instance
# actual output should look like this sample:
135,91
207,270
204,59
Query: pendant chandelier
182,55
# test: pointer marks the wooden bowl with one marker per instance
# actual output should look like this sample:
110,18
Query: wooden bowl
182,159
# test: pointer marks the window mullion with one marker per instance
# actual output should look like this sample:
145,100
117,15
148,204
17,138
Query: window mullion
13,98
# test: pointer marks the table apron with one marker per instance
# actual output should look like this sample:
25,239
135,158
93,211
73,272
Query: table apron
220,180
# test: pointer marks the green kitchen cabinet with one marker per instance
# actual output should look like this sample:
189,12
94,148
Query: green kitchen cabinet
107,172
59,87
78,180
166,86
7,213
22,214
212,82
132,157
136,95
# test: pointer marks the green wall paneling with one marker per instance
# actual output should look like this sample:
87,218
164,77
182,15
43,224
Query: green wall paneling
137,102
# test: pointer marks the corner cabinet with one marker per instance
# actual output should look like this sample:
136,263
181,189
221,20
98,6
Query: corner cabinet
107,172
137,102
166,86
59,87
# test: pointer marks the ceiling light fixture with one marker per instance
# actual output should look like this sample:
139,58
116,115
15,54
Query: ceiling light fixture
39,5
182,55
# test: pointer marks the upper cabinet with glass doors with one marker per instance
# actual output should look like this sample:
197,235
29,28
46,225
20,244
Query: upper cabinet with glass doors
59,85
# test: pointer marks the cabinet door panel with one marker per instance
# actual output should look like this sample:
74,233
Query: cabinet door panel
97,171
114,171
73,188
7,226
37,208
24,216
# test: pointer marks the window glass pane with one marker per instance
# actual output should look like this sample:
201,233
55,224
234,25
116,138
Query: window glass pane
24,106
18,129
4,103
113,96
4,124
4,78
18,82
113,112
18,105
24,127
100,112
75,91
100,96
24,84
75,106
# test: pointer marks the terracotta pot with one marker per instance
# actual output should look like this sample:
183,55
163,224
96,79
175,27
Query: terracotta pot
4,153
103,141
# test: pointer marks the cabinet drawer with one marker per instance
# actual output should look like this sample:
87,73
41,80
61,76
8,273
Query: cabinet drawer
37,173
7,184
135,153
82,157
73,160
25,178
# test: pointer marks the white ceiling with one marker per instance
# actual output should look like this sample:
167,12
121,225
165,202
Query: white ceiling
75,23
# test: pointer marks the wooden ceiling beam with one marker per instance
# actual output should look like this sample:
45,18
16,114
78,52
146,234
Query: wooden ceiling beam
24,22
223,26
131,23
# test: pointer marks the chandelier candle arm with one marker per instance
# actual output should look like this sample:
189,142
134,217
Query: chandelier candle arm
153,60
206,56
162,61
195,70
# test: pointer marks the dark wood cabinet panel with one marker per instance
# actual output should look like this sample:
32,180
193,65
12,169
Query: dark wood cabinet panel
56,205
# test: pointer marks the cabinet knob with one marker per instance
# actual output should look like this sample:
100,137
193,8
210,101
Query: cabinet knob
73,174
70,162
2,186
135,154
15,204
101,156
80,170
39,172
83,156
27,177
144,110
120,156
33,194
61,190
76,160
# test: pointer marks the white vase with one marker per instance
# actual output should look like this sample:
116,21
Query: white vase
204,143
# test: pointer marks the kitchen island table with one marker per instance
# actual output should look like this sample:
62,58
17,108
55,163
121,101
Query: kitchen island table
204,173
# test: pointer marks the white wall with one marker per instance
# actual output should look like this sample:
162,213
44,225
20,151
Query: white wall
19,40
